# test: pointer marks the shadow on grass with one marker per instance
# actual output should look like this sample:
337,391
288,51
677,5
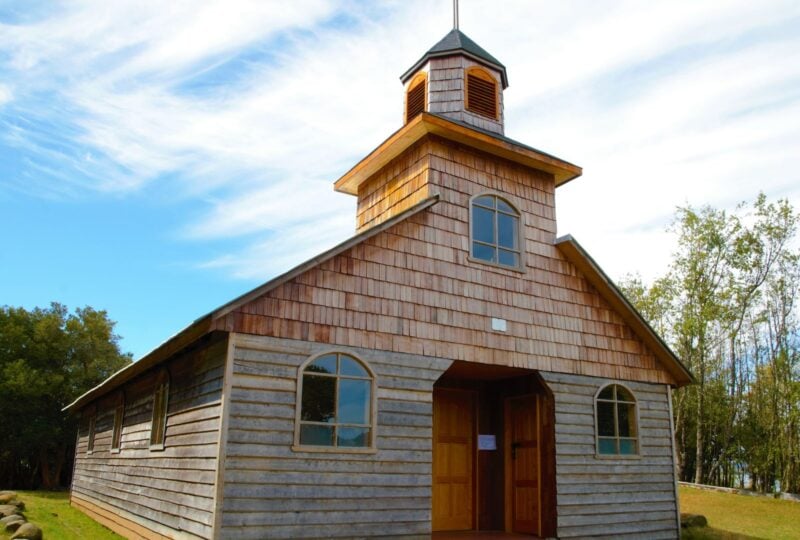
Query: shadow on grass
710,533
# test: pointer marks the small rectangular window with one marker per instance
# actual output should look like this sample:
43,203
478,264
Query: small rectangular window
158,426
90,445
116,433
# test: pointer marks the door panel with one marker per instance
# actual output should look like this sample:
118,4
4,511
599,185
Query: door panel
525,467
453,459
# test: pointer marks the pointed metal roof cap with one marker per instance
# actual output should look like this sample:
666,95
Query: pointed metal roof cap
458,42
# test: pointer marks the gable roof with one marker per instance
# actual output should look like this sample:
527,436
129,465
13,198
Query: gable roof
203,325
578,256
456,42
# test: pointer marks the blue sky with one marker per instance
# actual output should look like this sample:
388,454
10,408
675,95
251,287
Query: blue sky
158,161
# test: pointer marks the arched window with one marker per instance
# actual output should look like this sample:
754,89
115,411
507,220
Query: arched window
495,231
158,425
415,97
481,92
336,395
615,414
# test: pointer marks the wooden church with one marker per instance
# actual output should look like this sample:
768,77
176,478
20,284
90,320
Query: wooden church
452,368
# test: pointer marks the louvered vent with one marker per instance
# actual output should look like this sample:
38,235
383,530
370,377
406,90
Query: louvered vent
481,96
415,101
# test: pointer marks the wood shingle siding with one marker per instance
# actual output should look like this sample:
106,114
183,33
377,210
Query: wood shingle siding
446,87
161,491
412,289
610,496
272,491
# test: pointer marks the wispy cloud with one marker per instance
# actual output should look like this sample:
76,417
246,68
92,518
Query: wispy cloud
253,108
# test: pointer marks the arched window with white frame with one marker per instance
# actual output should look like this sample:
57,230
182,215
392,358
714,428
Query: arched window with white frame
495,231
616,421
336,403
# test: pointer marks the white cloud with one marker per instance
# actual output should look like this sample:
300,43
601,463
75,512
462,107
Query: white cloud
6,94
256,107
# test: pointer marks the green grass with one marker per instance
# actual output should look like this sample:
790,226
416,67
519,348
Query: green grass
740,517
51,511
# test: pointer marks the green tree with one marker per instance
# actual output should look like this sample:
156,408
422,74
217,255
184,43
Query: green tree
48,357
727,306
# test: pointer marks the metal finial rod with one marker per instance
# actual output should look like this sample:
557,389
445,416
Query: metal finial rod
455,14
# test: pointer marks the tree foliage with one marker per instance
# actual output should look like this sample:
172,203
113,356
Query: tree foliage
48,357
727,305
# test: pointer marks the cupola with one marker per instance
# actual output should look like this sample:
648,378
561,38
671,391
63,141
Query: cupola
459,80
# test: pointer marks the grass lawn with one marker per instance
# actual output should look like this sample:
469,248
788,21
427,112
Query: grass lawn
740,517
51,511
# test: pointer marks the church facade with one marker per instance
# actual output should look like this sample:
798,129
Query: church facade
454,366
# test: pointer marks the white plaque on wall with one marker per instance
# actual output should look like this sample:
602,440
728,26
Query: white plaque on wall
487,442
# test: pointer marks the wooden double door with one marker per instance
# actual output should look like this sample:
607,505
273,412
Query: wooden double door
455,462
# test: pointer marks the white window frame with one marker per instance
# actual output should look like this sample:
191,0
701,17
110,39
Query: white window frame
597,437
373,420
520,229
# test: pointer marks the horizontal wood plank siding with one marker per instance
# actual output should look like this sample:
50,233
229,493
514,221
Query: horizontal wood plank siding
413,288
169,492
612,497
271,491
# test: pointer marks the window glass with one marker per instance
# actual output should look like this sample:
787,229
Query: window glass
319,398
336,403
316,435
354,437
323,364
495,231
616,421
508,258
507,231
486,200
605,419
607,446
352,367
483,252
483,225
119,415
158,426
627,446
353,401
503,206
625,414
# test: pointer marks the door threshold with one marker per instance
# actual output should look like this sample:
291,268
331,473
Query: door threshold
483,535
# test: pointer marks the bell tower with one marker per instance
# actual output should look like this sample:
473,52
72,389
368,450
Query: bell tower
459,80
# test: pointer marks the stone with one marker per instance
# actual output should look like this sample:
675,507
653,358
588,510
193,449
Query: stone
19,504
12,526
13,517
28,531
693,520
7,497
9,510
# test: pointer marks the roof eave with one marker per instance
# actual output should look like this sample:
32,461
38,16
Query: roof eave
442,54
182,339
578,256
322,257
427,123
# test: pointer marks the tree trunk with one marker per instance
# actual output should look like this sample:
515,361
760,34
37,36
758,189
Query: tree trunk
698,466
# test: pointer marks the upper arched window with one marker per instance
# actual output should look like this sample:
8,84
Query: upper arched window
495,231
482,96
615,413
336,403
416,96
